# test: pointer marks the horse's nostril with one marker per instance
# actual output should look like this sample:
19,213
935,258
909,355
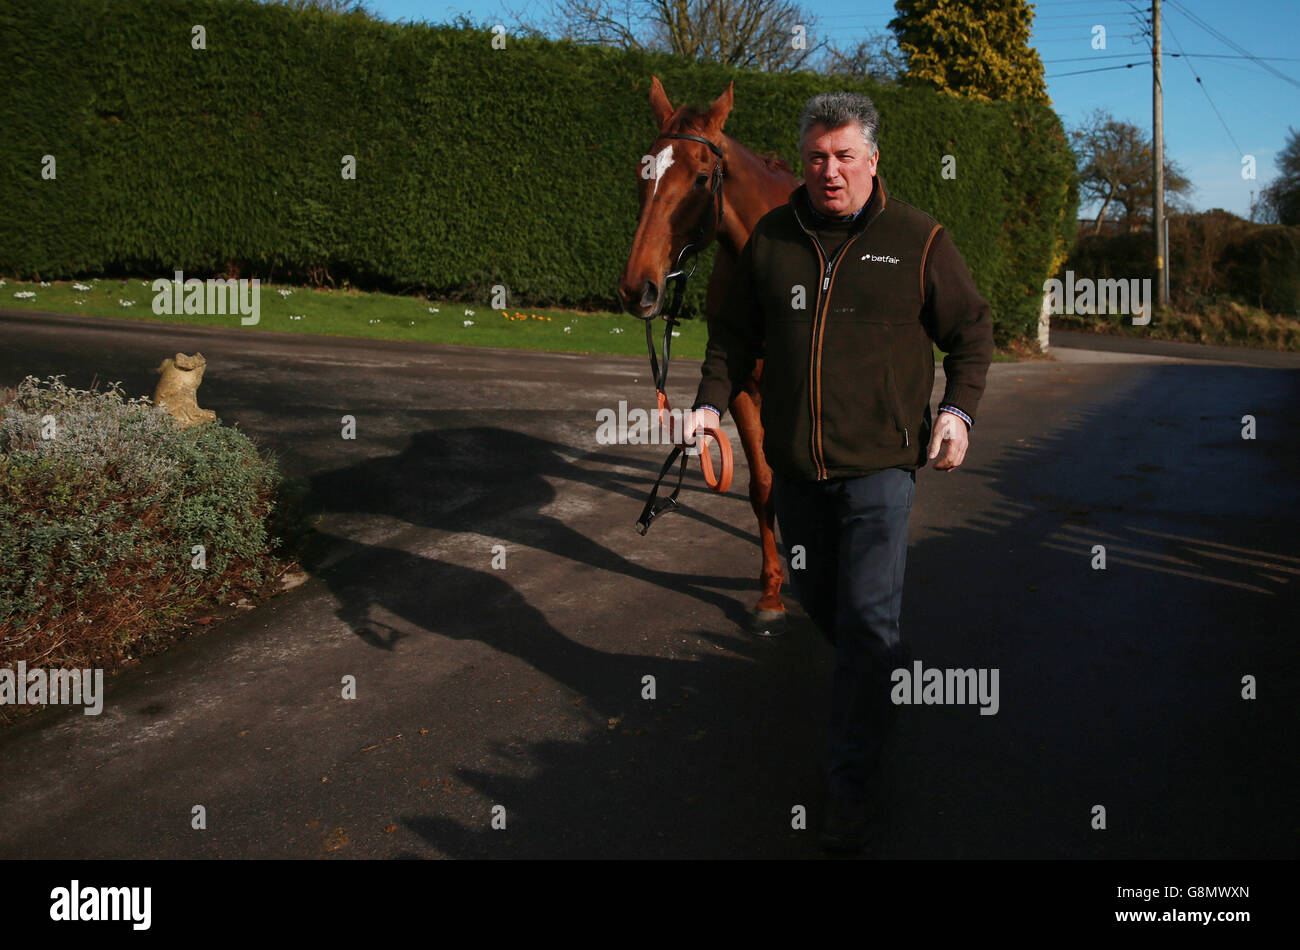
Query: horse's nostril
649,294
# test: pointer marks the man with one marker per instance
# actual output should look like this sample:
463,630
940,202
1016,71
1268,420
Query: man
840,292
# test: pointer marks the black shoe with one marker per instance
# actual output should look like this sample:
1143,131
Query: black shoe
845,829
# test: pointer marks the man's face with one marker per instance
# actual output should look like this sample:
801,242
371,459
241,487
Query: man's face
837,169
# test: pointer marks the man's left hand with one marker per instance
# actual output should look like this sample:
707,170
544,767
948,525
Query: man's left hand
950,435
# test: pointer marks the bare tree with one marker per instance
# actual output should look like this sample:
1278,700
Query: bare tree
328,6
1115,160
875,58
617,23
771,35
1279,202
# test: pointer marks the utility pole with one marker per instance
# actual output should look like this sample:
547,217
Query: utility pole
1158,140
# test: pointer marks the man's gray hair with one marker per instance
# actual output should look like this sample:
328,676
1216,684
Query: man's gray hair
834,109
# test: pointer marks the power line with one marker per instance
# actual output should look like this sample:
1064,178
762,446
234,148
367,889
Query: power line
1208,99
1103,69
1080,59
1276,59
1229,43
1076,38
1093,15
1063,28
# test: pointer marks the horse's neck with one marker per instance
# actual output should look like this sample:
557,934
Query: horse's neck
750,190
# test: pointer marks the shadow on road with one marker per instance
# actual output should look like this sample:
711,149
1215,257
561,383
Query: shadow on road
1120,687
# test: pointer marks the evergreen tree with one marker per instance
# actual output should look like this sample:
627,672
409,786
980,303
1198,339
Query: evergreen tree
978,49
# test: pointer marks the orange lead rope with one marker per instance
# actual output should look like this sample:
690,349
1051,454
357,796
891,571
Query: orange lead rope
721,481
718,482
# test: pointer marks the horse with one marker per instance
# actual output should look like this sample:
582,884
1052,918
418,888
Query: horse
687,181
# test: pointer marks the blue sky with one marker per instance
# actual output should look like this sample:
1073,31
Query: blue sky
1254,106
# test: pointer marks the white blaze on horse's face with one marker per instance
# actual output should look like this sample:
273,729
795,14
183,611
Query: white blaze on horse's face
663,161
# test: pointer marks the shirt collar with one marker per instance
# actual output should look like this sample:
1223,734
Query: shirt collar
875,204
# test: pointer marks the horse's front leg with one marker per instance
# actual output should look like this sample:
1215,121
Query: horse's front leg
769,614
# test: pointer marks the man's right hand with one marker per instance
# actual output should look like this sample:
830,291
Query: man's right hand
699,419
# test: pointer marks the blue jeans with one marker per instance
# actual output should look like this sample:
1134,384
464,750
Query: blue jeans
853,535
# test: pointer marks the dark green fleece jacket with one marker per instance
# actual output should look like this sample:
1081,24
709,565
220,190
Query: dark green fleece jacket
845,337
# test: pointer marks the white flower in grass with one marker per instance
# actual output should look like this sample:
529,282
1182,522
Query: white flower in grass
126,303
284,293
616,330
80,286
24,294
2,283
567,329
45,283
295,316
468,312
675,333
374,321
433,309
468,323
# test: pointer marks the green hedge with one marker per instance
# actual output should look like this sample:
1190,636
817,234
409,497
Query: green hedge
1262,268
475,165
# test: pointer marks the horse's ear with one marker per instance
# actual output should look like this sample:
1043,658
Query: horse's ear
659,101
721,107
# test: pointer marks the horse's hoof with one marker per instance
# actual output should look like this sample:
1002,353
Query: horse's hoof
768,623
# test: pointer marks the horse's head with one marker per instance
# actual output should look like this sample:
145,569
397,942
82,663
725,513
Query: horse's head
680,182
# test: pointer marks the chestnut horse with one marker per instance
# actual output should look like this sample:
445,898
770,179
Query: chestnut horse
677,208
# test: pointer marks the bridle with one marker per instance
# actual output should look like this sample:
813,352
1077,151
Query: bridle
677,278
715,186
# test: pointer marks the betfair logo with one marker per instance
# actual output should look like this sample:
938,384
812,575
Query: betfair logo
880,258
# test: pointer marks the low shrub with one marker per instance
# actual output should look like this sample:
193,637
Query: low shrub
115,522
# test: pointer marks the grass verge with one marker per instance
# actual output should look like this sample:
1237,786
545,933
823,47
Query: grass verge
379,316
1222,323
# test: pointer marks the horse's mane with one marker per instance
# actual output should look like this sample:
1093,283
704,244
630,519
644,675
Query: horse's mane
776,162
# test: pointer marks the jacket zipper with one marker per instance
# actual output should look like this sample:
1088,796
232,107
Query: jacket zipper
812,359
815,377
814,350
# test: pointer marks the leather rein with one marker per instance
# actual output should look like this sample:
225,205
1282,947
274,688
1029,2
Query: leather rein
722,481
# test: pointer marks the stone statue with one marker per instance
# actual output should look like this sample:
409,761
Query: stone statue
178,387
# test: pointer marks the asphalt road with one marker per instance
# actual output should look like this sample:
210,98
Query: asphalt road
522,687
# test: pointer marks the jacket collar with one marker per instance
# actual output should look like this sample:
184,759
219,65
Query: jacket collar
801,205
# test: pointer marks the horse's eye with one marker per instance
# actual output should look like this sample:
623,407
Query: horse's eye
701,180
